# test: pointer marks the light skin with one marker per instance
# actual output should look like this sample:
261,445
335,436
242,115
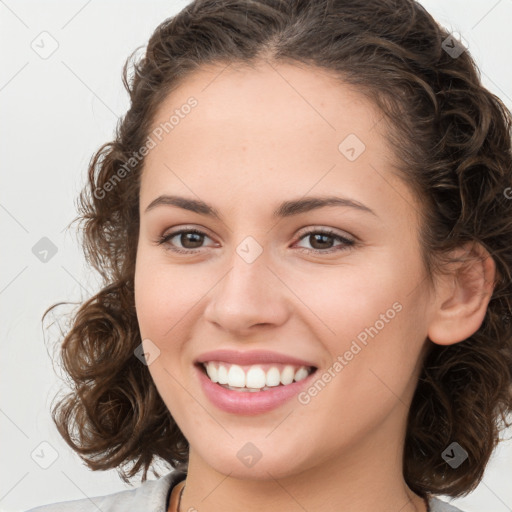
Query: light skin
256,138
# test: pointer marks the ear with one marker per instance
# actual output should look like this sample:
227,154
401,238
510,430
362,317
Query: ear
462,295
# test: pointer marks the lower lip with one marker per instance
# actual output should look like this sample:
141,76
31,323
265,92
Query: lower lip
246,402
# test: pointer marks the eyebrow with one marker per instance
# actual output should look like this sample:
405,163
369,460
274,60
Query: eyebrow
285,209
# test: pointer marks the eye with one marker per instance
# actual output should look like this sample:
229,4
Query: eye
195,238
320,238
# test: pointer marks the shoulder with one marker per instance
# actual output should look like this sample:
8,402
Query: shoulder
436,505
150,496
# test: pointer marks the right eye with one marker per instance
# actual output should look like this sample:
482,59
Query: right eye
195,239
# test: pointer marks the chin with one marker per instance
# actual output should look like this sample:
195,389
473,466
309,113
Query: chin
237,463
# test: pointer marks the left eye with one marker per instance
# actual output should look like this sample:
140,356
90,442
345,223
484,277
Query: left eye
319,237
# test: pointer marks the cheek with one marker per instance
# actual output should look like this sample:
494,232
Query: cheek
347,299
165,293
373,322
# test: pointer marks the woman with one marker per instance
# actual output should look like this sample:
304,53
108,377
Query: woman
305,238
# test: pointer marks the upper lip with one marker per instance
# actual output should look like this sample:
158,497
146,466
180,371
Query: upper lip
251,357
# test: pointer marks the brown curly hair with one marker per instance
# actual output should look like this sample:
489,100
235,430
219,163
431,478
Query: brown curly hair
452,138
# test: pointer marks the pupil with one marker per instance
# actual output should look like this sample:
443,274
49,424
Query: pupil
320,236
197,239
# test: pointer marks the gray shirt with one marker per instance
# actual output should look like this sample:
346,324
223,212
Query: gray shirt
153,496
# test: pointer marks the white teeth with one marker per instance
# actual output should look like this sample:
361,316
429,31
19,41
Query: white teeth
236,376
287,375
256,379
222,375
302,373
273,377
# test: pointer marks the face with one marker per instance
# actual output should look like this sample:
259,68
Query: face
339,287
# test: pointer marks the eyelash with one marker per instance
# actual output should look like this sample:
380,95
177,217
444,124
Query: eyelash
164,240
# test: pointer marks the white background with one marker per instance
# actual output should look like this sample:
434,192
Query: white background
55,113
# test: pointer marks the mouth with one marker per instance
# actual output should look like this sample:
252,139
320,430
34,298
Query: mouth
254,378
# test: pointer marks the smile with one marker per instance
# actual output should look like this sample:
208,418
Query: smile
259,397
254,378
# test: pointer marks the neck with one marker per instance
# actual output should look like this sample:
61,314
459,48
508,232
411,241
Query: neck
364,476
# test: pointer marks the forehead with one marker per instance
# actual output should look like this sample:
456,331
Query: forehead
301,103
266,130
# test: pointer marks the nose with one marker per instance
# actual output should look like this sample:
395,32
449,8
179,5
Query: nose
249,297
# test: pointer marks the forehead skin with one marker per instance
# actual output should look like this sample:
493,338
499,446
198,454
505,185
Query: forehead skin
273,132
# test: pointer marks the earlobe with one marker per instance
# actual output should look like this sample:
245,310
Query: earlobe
462,296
